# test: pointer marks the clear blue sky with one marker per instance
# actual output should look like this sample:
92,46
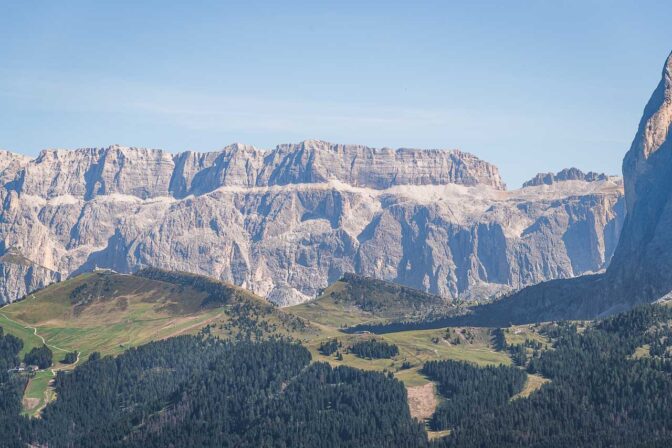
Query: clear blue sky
530,86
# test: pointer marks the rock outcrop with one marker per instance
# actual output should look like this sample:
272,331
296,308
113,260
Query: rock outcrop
287,222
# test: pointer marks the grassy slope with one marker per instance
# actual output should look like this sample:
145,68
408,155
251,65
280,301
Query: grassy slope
123,311
38,393
518,334
355,300
533,383
21,331
416,347
327,311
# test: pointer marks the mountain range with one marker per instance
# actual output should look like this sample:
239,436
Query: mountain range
287,222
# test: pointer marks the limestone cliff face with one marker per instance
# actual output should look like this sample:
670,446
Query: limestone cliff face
286,222
20,276
643,263
148,173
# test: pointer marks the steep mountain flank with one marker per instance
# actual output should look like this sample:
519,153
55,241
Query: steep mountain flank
643,261
641,269
286,223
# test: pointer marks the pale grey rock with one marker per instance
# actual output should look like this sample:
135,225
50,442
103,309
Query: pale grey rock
20,276
10,164
315,161
287,222
90,172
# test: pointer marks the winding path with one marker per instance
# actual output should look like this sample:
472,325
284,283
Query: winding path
36,334
53,371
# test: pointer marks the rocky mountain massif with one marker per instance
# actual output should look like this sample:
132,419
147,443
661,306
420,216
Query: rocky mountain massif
641,268
287,222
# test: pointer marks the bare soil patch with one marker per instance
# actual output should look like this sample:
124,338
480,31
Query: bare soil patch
422,401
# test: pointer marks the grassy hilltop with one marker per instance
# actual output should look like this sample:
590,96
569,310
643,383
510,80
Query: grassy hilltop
108,313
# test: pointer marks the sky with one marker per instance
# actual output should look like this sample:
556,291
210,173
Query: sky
531,86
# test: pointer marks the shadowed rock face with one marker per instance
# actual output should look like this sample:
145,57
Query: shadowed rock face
287,222
19,276
564,175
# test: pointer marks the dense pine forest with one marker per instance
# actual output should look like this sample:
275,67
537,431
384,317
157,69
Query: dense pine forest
373,349
599,394
329,347
470,391
41,357
11,389
200,391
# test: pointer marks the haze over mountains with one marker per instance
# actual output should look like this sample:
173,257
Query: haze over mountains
287,222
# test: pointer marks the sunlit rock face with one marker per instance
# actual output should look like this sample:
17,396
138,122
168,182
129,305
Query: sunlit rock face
643,263
288,221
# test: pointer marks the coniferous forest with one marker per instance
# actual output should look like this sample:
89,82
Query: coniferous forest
11,391
41,357
197,391
470,391
599,394
374,349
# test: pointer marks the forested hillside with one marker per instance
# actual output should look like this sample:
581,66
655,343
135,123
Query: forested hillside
11,389
600,393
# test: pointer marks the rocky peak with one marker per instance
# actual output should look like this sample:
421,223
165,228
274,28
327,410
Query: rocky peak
8,158
641,267
565,175
89,172
435,220
10,164
652,135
